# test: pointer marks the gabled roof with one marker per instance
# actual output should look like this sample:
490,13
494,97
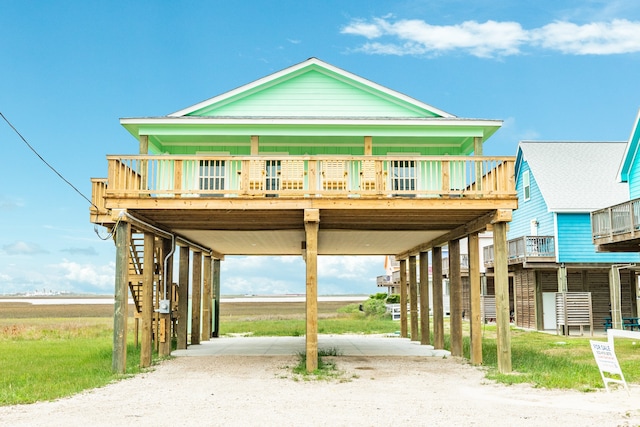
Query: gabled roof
312,99
631,151
575,176
323,84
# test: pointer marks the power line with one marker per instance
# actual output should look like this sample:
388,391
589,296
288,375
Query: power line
45,162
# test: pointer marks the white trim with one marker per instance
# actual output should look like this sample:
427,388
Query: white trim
309,121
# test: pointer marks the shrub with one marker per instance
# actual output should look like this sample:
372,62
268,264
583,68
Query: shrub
374,307
393,299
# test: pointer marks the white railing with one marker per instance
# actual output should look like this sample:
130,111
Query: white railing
616,220
309,176
523,249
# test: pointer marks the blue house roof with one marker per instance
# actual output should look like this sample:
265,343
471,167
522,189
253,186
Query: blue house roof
575,176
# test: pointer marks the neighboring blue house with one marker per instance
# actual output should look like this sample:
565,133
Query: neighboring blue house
550,243
616,227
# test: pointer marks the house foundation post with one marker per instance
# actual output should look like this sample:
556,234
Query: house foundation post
614,294
311,226
183,298
501,277
425,331
403,299
196,297
164,337
148,270
455,298
413,298
206,299
438,309
121,297
215,333
474,296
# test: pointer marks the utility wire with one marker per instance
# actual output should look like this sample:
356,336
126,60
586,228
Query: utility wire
45,162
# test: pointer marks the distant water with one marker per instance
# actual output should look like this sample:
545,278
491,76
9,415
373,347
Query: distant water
257,298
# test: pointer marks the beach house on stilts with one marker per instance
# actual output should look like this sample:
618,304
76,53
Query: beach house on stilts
309,161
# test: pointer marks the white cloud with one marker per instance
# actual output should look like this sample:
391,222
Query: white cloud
598,38
492,38
86,276
23,248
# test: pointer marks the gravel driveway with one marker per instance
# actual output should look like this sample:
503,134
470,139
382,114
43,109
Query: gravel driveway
372,391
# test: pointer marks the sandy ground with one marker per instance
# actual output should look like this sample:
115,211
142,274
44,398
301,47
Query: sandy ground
372,391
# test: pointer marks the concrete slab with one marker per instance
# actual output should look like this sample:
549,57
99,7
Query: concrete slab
345,345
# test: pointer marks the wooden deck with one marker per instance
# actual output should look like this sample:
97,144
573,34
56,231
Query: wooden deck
254,205
617,228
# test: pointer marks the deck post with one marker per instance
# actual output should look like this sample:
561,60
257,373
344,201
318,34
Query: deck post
425,331
121,297
165,318
216,295
206,299
474,296
148,270
413,298
455,298
438,309
614,295
501,278
196,297
403,298
311,226
183,298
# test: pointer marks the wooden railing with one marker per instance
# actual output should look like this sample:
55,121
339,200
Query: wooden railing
525,249
310,176
616,220
98,193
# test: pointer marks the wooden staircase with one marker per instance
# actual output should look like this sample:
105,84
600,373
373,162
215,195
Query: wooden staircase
136,262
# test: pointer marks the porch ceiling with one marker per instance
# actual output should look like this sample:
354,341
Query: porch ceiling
281,231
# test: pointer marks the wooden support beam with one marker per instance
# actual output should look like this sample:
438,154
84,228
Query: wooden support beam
206,299
455,298
144,144
413,298
183,298
368,145
425,330
216,295
615,300
148,270
474,296
166,280
311,226
255,145
438,309
478,224
501,280
477,146
403,298
121,298
196,297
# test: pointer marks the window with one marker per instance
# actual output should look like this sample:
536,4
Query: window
403,175
526,185
212,173
273,170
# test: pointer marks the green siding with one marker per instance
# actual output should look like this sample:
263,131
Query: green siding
313,94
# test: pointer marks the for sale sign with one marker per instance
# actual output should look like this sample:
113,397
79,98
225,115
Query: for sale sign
607,362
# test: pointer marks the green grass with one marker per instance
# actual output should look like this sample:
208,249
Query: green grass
49,358
45,359
552,361
341,324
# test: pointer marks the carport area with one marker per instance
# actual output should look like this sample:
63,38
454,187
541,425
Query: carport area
342,345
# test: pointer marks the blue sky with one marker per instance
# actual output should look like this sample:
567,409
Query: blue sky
552,70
